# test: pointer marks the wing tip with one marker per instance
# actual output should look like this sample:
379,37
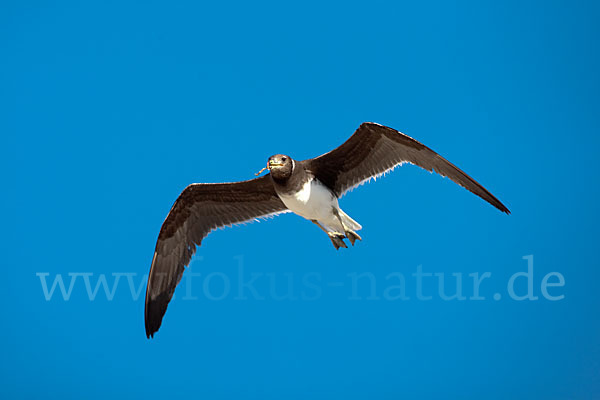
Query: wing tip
501,207
152,326
154,312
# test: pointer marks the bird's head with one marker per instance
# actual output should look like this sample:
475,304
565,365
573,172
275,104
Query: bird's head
281,166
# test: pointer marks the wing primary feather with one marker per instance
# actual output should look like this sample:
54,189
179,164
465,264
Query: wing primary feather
200,209
374,150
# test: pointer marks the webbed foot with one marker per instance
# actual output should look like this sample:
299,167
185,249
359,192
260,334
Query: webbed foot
337,239
352,236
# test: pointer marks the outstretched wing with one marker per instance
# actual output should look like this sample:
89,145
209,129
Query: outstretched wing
374,149
200,209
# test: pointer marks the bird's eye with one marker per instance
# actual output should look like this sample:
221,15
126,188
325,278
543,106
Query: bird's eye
283,159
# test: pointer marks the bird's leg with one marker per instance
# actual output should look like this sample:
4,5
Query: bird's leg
350,234
336,238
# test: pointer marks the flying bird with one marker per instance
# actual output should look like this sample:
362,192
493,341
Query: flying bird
309,188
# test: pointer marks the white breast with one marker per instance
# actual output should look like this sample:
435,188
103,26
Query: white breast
313,201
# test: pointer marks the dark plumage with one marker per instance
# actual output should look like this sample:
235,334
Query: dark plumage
308,188
374,149
200,209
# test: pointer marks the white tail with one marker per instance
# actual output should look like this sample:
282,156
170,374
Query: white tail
349,222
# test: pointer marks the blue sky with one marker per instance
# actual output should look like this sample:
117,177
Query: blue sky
108,110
